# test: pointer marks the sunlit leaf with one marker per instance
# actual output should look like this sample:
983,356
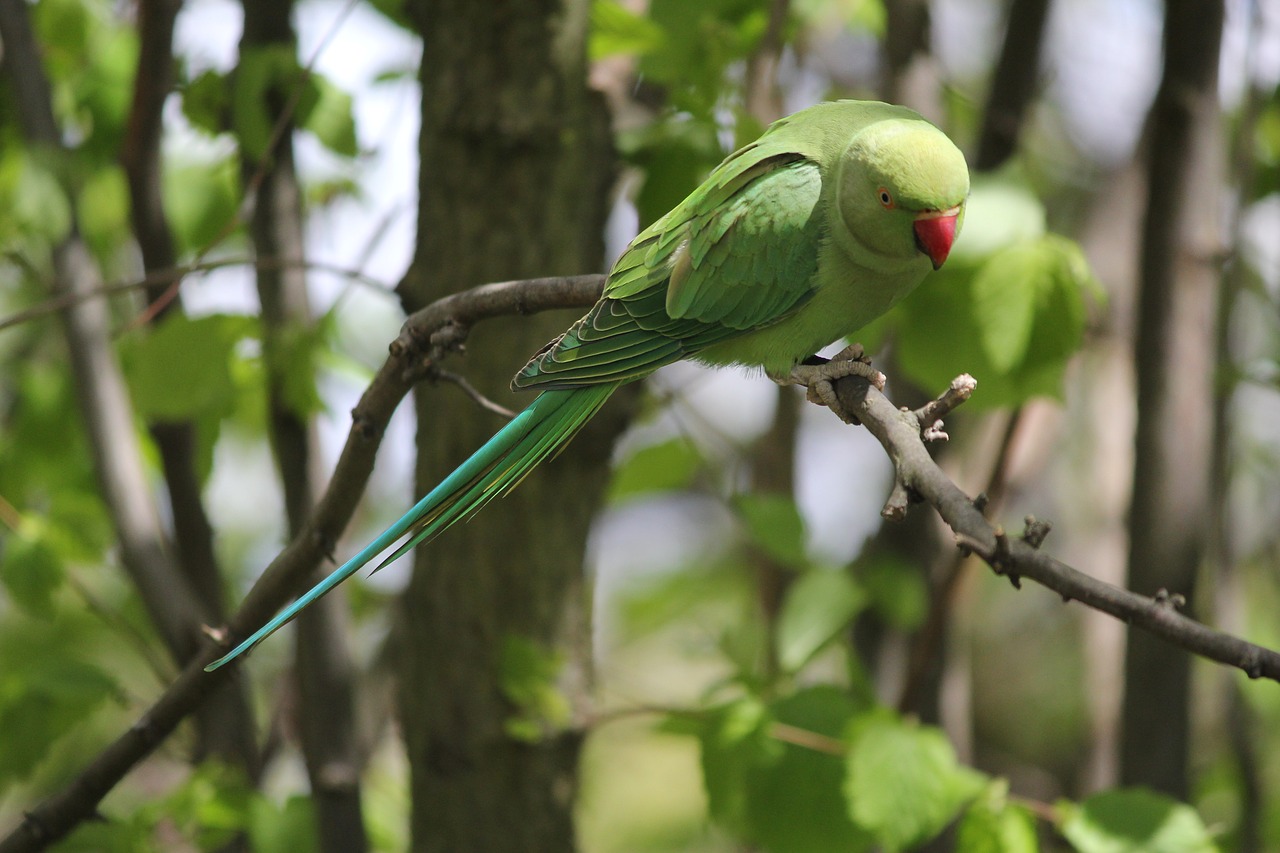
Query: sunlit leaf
331,118
267,77
201,199
618,30
992,824
103,209
816,609
1134,820
771,790
903,782
290,828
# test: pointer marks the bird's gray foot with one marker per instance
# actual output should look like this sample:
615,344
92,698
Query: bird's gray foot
818,378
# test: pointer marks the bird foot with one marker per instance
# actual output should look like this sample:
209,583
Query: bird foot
818,378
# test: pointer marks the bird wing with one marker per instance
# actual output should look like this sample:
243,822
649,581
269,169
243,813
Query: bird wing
738,254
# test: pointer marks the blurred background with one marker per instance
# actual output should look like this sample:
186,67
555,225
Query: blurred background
681,635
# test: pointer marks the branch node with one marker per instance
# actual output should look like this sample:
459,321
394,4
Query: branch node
981,502
36,827
934,432
999,559
362,425
437,374
1170,600
1036,531
968,544
931,414
325,544
895,506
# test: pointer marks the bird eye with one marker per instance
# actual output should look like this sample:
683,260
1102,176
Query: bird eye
886,199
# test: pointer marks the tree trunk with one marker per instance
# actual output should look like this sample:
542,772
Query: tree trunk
516,164
1174,367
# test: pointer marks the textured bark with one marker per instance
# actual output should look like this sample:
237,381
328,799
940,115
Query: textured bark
325,673
516,164
1173,357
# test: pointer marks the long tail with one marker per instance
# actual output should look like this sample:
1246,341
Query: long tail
535,434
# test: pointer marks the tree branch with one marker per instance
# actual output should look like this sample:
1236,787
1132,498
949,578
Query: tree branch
225,723
899,433
100,388
324,671
60,813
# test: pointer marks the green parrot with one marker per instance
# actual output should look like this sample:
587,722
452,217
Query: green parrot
795,241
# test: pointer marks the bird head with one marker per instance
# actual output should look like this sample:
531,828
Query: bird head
902,187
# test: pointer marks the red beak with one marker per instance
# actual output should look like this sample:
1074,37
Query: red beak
935,232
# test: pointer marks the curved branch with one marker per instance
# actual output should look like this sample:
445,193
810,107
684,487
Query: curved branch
60,813
916,472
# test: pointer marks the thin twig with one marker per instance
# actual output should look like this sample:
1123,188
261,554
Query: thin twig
471,391
178,274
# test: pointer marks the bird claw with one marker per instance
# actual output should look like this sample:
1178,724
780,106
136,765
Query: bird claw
818,379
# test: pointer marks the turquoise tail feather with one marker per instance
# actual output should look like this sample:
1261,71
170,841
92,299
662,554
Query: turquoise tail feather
534,435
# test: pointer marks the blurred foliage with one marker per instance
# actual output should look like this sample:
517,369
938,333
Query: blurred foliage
775,739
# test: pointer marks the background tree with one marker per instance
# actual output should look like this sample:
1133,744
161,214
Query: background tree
235,173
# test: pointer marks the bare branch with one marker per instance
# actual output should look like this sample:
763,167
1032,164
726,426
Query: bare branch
59,814
899,433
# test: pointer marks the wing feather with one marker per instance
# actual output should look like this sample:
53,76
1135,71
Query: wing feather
739,254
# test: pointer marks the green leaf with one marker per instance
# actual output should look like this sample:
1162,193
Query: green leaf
903,783
206,102
733,739
778,795
1031,287
296,356
664,467
265,79
210,807
31,197
528,675
1012,321
201,199
817,609
616,30
1134,820
287,829
31,569
1005,291
993,825
182,369
331,118
796,802
44,695
775,525
104,209
896,588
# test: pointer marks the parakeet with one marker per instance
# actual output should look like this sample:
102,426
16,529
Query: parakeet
796,240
